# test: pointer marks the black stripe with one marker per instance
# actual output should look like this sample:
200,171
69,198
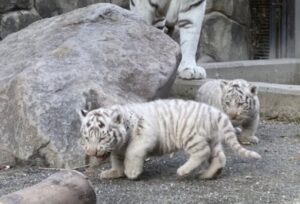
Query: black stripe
183,23
195,122
187,116
153,5
183,42
193,5
197,144
219,117
158,20
238,90
202,149
230,137
227,131
132,2
217,154
188,140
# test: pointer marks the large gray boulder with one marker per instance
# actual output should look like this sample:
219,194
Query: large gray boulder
94,56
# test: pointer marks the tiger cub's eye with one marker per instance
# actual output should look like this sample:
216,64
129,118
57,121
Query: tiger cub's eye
101,124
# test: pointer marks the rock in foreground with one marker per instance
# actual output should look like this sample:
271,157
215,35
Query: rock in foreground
66,187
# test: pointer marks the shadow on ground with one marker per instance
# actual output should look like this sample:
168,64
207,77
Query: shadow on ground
274,179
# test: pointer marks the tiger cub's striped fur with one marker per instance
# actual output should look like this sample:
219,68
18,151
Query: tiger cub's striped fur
238,99
129,133
188,15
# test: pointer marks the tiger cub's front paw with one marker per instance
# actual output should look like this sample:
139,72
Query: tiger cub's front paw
249,140
111,174
132,173
182,172
253,139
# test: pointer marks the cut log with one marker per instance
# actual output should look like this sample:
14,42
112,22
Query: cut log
64,187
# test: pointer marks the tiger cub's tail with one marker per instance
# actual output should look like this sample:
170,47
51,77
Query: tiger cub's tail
229,136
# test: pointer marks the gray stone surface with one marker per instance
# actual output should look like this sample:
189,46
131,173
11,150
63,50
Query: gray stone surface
223,39
236,10
16,20
96,55
225,32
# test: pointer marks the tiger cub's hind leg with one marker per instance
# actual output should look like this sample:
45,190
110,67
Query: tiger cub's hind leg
199,152
218,161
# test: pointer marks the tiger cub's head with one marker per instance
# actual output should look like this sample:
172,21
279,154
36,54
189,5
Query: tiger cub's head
102,131
239,100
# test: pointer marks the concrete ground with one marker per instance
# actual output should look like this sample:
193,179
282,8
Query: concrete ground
274,179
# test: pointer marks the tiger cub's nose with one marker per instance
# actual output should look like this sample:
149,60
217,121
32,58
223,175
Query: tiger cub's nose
232,115
91,151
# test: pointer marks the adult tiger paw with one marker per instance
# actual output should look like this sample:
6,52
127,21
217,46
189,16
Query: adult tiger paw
191,72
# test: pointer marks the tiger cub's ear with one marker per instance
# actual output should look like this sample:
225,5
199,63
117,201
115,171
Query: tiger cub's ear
117,117
82,113
253,89
223,84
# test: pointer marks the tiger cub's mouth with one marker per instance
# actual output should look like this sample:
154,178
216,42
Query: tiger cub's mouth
103,156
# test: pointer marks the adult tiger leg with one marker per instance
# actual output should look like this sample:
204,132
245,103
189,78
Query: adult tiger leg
190,20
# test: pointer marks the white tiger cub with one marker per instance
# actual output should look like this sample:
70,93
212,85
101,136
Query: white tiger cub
188,15
129,133
238,99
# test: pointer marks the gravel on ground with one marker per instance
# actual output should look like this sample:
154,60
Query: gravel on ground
273,179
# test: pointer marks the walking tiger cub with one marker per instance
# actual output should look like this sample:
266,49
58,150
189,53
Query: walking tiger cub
129,133
238,99
188,15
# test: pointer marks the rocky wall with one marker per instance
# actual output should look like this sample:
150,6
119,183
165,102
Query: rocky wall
225,34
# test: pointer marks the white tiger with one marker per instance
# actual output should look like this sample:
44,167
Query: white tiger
238,99
130,133
188,15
